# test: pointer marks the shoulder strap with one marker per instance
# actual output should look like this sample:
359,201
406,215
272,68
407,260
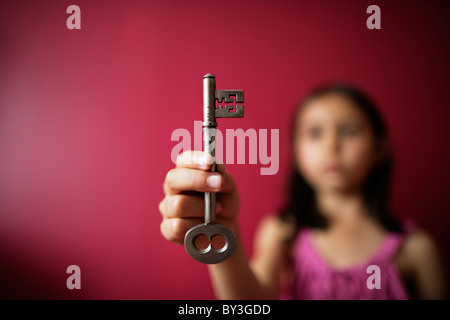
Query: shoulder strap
389,248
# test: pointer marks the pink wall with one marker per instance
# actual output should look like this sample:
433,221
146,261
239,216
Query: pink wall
86,118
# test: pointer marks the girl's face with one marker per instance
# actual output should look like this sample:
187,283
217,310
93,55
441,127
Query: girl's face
335,146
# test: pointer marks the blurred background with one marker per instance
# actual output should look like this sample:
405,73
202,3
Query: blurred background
86,118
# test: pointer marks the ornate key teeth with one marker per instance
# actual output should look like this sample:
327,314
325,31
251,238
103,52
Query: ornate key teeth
225,95
227,113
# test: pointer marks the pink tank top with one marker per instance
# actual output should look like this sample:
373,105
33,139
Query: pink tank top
315,279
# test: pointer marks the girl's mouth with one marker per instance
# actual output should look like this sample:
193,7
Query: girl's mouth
333,168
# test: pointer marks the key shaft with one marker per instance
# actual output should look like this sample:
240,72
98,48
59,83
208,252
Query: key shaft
209,138
209,228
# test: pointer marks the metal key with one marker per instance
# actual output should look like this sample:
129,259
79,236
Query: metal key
210,228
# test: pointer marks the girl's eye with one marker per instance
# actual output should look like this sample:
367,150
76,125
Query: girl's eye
349,131
313,133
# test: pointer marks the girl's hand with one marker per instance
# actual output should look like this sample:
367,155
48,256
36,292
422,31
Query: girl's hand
183,206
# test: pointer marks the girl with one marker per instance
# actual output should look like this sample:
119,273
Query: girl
335,238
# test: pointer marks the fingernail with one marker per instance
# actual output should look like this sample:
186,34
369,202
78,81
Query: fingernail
213,181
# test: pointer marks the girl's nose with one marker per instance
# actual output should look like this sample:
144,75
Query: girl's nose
332,142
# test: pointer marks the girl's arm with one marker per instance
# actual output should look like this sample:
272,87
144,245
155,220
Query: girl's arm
239,278
426,266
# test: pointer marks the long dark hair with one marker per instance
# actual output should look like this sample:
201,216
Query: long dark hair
300,204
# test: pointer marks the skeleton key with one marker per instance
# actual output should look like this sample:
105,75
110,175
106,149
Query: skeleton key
210,228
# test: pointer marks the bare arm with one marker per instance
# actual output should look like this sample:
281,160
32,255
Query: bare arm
426,266
239,278
235,279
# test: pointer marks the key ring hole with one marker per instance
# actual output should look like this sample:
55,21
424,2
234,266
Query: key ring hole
201,242
218,242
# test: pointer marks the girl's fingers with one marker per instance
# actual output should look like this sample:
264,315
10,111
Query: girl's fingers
184,206
185,179
174,229
229,186
182,179
191,174
194,159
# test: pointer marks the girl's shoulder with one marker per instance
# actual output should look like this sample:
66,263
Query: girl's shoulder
274,227
419,259
417,251
270,245
417,244
416,241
